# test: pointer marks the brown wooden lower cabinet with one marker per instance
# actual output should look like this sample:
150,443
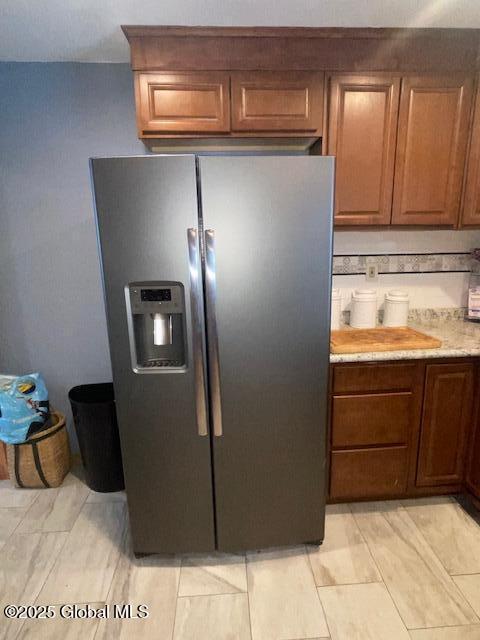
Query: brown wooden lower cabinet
447,415
472,476
375,411
401,429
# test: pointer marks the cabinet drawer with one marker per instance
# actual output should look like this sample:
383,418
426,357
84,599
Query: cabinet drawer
368,473
179,102
277,101
377,419
375,377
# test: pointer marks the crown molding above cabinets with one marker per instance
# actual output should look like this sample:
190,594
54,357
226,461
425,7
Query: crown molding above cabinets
301,49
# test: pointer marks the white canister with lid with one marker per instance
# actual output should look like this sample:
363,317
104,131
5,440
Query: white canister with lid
336,310
364,309
396,309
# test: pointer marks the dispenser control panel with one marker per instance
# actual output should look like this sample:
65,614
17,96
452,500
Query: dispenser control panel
156,299
156,295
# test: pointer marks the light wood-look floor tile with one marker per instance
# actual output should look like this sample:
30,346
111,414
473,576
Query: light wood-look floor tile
449,530
344,557
9,521
213,574
470,587
59,628
11,496
25,562
424,593
151,580
283,598
361,612
447,633
95,497
55,509
84,569
220,617
94,563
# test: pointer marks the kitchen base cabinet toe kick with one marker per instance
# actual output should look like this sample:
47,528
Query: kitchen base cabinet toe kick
403,429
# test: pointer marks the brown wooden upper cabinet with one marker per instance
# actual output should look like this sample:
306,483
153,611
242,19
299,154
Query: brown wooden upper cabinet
431,144
169,103
277,101
400,146
471,202
203,104
447,412
362,129
399,115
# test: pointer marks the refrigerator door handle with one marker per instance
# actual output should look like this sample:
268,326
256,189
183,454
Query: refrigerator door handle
213,360
197,332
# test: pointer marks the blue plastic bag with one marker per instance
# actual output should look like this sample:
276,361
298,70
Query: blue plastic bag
24,408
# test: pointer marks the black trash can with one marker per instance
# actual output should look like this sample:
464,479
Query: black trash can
95,418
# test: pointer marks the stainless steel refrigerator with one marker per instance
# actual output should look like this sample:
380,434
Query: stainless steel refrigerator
217,275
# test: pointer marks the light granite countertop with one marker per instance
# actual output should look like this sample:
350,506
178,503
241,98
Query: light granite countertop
460,338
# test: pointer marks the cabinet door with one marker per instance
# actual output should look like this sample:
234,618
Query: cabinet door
431,145
181,103
471,203
447,413
473,465
277,101
362,131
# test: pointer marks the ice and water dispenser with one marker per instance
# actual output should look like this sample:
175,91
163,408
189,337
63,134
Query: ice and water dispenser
156,322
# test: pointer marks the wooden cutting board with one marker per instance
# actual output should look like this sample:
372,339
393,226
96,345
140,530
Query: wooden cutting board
380,339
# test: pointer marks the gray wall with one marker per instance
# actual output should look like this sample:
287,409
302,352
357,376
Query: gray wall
53,117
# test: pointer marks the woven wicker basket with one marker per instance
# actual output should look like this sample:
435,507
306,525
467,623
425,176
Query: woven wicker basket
44,459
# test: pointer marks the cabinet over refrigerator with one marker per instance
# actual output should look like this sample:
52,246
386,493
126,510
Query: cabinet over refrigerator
217,275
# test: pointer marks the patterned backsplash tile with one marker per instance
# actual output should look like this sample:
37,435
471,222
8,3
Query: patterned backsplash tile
421,315
444,314
403,263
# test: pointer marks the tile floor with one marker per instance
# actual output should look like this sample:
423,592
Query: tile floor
386,571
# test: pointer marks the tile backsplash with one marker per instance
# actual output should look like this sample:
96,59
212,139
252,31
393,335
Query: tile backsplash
431,265
453,262
421,315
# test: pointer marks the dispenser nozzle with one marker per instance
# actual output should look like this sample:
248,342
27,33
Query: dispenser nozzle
162,329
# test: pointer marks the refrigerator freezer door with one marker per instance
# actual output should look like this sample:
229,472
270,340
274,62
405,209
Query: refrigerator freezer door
145,207
268,222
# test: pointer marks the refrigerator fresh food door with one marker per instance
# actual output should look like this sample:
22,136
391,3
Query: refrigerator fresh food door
268,243
147,216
